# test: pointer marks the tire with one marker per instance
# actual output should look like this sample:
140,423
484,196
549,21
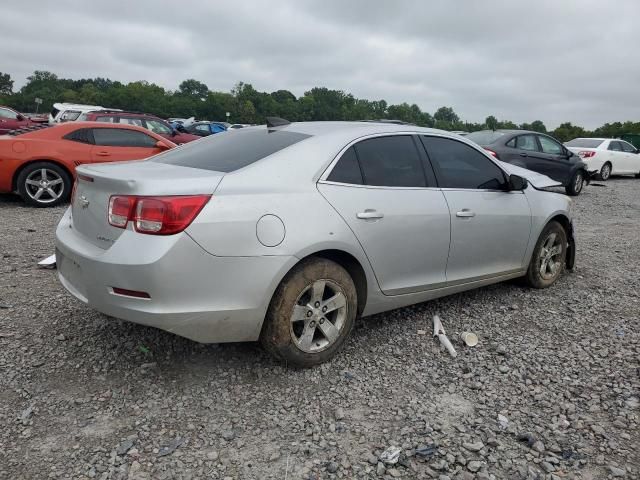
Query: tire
576,184
605,172
303,294
44,184
541,272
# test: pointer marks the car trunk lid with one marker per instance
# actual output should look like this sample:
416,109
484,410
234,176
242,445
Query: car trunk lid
97,183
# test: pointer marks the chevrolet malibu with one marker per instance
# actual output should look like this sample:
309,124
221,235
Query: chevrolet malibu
287,233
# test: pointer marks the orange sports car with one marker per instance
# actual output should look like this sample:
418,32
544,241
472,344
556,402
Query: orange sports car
39,163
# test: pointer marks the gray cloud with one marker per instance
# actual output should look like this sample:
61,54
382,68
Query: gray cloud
574,60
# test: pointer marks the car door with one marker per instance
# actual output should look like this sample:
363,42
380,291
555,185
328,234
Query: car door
533,158
559,162
161,128
490,227
119,144
631,157
380,188
617,157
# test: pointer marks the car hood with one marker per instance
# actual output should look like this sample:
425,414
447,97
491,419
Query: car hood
536,179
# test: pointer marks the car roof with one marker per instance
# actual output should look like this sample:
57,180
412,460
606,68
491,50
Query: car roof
595,138
53,131
123,112
356,129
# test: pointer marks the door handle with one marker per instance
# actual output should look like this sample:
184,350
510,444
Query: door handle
465,213
522,154
369,214
103,154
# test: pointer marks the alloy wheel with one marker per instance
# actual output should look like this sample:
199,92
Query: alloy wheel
551,257
605,173
44,185
578,183
318,316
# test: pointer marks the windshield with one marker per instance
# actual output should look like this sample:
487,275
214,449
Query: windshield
229,152
484,137
584,143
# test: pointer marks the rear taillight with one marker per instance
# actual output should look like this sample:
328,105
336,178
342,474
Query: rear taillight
155,215
586,154
494,154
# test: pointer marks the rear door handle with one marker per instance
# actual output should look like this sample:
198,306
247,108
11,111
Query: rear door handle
369,214
465,213
103,154
522,154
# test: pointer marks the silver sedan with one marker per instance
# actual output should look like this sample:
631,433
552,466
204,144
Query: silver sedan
287,233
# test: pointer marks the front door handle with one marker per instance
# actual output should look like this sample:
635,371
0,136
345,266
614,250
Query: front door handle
369,214
103,154
522,154
465,213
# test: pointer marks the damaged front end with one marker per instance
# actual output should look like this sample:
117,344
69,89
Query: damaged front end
571,248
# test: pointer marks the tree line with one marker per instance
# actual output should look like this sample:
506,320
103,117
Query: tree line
247,105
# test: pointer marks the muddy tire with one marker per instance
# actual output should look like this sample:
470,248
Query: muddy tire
44,184
311,313
549,257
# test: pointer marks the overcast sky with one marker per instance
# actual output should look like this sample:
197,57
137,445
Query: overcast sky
569,60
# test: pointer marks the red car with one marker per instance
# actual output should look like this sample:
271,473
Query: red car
145,120
11,120
39,162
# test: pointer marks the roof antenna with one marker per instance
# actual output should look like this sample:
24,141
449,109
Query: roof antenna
273,122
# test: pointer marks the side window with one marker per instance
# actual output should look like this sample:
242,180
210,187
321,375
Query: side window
391,161
615,146
460,166
527,142
4,113
511,143
347,169
131,121
627,147
550,146
82,135
106,119
119,137
70,116
203,128
158,127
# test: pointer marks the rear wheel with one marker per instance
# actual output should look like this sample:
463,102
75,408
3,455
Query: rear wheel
311,314
605,172
44,184
575,185
549,257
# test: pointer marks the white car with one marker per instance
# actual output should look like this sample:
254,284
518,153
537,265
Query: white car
69,112
607,156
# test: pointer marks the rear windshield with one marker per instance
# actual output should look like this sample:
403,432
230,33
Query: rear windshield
226,152
484,138
584,143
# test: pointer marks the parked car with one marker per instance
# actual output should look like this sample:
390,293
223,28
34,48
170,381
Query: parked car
607,156
237,126
286,234
40,163
204,129
144,120
12,120
69,112
538,152
632,138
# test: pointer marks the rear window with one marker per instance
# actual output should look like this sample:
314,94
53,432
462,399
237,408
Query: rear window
584,143
232,151
484,138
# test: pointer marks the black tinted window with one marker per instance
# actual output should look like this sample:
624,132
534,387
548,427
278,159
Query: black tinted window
460,166
484,137
119,137
527,142
226,153
584,143
615,146
626,147
391,162
347,169
82,135
550,146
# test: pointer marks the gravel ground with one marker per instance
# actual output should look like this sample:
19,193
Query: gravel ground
551,391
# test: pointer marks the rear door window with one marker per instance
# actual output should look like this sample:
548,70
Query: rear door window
107,119
347,170
158,127
459,166
615,146
527,142
82,135
550,146
226,153
391,161
119,137
626,147
131,121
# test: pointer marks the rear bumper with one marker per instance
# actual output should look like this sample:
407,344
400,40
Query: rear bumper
193,294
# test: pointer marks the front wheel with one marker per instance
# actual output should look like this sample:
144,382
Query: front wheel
575,185
311,314
44,184
605,172
549,257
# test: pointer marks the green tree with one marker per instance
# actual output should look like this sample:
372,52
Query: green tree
566,131
194,88
491,122
6,84
538,126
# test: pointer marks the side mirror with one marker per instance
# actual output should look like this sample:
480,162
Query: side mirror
516,182
19,117
162,145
